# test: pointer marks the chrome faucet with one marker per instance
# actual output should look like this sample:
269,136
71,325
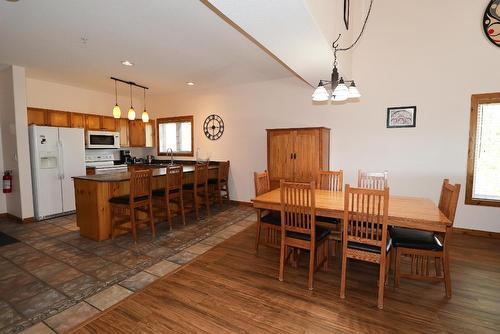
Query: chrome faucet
171,156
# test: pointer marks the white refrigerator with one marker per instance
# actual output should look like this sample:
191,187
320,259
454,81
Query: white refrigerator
57,154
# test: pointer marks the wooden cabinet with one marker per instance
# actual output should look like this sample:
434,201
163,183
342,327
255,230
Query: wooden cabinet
137,133
92,122
150,133
58,118
108,123
77,120
37,116
122,128
297,154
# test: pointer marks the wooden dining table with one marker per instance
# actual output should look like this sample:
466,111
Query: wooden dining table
412,212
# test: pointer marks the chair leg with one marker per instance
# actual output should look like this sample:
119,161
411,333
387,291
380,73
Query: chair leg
207,201
111,213
219,193
195,203
388,260
257,236
381,286
446,271
397,270
282,261
437,267
132,224
326,254
310,281
181,208
169,213
343,275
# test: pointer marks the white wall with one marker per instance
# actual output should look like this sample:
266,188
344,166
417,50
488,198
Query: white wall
411,55
15,146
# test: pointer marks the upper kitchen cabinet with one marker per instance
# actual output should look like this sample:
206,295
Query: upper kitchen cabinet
77,120
58,118
123,129
92,122
141,134
108,123
297,154
37,116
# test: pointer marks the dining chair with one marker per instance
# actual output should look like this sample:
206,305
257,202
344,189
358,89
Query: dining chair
423,246
124,209
170,194
219,187
298,227
373,180
269,221
365,235
332,181
198,189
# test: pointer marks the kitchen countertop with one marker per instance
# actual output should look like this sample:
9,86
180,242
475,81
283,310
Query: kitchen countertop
125,176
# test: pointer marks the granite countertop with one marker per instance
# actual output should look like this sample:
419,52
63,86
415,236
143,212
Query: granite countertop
125,176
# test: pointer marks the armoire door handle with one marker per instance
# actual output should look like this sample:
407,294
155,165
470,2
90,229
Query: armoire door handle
295,156
291,156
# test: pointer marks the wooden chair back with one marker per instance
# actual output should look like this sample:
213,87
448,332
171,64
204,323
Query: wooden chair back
261,182
366,213
298,207
449,199
140,184
330,180
373,180
174,178
201,174
223,172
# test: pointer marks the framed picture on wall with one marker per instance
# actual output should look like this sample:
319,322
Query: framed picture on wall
401,117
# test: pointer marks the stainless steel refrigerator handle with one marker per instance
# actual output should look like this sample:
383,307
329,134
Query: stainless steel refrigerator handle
61,155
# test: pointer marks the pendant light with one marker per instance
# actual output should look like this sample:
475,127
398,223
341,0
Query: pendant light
131,111
117,113
145,116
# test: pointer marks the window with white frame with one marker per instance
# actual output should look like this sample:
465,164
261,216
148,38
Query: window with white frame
176,134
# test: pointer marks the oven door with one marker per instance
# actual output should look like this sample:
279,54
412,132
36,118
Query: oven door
102,139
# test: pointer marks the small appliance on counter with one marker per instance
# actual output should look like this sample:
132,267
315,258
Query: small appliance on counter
149,159
125,157
104,164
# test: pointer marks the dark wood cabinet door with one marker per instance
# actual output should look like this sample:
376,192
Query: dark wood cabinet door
58,118
306,155
108,123
77,120
137,133
37,116
122,128
92,122
280,156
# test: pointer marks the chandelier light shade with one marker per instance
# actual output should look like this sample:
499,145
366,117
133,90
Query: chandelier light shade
131,111
145,116
341,92
353,91
117,113
320,93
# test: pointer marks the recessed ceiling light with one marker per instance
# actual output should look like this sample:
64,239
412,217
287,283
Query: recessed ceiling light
127,63
189,83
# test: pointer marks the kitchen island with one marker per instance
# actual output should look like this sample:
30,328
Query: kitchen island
92,194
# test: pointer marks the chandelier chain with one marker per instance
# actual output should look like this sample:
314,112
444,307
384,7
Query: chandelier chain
335,45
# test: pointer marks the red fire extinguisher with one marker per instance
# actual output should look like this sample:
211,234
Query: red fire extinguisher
7,181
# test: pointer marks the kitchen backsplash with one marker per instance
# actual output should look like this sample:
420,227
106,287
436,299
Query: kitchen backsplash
138,152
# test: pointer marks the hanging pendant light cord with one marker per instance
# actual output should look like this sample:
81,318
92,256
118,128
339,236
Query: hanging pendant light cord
116,94
144,99
335,45
131,96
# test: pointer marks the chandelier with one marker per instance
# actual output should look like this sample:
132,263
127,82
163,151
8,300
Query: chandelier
338,89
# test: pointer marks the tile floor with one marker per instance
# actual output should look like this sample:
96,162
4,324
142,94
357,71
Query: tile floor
54,279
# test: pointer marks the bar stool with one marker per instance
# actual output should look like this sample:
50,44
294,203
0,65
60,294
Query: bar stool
199,188
220,184
123,209
269,221
170,194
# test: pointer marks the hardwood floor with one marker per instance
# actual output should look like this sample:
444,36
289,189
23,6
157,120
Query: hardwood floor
229,289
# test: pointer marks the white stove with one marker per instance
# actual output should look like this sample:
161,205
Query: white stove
104,164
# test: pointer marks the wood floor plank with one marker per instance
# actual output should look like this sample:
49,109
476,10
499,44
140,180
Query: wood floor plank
229,289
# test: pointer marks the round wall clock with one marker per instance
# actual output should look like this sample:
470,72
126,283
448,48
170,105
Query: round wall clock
213,127
491,22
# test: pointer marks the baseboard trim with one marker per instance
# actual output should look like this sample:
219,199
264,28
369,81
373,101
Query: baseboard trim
28,220
242,203
476,233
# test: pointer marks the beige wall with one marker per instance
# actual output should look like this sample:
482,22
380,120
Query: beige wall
411,55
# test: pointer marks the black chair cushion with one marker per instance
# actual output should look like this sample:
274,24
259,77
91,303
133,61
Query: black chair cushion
368,248
409,238
272,218
321,233
161,192
190,186
212,181
327,220
125,199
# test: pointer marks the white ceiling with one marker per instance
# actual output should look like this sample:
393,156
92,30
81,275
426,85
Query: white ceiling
170,42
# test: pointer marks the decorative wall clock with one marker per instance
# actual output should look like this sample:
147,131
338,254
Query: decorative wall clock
491,22
213,127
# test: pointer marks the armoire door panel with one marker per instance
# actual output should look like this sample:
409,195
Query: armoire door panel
280,150
306,155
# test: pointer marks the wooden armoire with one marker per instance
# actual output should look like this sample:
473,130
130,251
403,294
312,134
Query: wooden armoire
297,154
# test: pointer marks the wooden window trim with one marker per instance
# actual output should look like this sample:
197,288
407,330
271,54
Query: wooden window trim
189,118
477,99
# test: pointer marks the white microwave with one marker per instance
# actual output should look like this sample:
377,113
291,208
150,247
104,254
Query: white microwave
102,139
